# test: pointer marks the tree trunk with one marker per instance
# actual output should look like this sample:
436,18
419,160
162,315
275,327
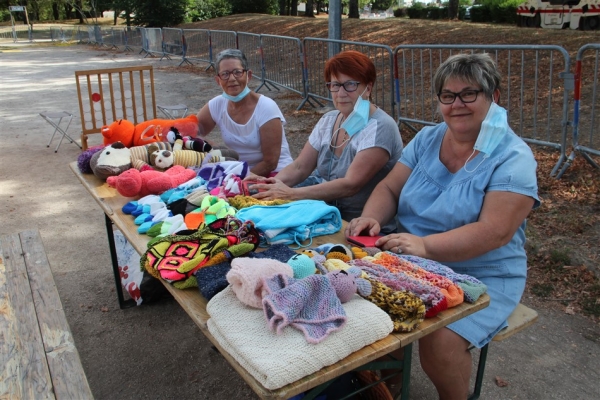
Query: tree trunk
80,11
55,13
308,11
294,9
353,9
453,9
282,7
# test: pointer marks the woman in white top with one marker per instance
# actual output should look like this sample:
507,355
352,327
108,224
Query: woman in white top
250,123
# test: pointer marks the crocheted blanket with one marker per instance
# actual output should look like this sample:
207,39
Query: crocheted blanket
277,360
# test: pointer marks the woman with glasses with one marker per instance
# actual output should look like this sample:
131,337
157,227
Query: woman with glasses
250,124
350,149
461,193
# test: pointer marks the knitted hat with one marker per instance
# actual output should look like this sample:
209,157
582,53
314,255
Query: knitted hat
308,304
302,265
211,280
246,276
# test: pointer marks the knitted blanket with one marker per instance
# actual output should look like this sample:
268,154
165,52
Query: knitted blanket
293,222
277,360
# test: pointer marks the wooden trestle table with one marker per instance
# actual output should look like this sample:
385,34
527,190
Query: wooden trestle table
194,305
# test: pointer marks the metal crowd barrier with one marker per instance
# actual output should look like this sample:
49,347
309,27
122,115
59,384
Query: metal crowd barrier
220,40
172,42
152,42
281,62
249,43
197,46
587,69
318,51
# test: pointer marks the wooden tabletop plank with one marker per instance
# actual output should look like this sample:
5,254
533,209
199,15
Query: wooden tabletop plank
24,372
66,371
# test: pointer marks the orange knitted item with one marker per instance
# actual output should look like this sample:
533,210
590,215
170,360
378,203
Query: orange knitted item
453,293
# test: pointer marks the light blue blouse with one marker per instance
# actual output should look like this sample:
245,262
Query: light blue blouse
434,200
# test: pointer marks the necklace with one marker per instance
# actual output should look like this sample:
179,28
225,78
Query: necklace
336,132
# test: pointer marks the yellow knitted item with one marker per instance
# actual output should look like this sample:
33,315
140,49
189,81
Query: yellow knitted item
405,309
334,264
359,252
338,255
240,202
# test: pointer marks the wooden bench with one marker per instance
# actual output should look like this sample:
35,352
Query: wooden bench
38,358
521,318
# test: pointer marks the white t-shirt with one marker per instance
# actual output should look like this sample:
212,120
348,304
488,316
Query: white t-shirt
245,139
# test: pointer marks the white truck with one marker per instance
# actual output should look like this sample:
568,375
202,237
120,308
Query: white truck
560,14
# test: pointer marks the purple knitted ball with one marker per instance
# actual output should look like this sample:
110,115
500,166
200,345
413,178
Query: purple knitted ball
83,161
344,284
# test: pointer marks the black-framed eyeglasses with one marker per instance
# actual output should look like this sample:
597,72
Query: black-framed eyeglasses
237,73
466,96
349,86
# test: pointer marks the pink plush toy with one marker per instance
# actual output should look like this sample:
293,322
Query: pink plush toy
132,182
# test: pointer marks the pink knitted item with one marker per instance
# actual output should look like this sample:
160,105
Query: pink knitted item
246,276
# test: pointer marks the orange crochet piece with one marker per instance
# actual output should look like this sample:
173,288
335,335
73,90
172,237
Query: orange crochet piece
453,293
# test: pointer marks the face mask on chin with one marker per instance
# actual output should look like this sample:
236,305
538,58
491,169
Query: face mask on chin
239,97
493,129
359,116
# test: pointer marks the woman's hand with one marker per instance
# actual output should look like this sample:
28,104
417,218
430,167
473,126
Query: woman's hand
273,189
362,226
403,243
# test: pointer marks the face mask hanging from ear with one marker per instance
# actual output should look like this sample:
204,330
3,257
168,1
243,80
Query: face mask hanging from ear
359,116
493,129
239,97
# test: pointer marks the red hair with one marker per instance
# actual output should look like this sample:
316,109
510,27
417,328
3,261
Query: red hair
352,63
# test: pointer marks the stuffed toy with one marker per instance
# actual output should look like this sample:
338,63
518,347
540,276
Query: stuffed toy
164,159
115,158
154,130
84,159
187,142
132,182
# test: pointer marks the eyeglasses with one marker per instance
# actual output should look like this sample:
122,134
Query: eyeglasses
237,73
349,86
466,96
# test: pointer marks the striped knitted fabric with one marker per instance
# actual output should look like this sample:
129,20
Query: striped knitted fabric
405,309
188,158
454,294
140,155
431,296
472,287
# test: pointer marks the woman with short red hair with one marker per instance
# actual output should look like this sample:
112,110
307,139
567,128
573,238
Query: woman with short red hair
349,151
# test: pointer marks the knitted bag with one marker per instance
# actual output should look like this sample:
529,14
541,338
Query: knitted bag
175,258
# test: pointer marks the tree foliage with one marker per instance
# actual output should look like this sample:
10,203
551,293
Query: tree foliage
201,10
159,13
255,6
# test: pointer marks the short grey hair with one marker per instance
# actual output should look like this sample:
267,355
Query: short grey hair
232,53
478,68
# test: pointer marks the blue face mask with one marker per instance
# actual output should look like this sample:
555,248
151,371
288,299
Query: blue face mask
239,97
359,117
493,129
